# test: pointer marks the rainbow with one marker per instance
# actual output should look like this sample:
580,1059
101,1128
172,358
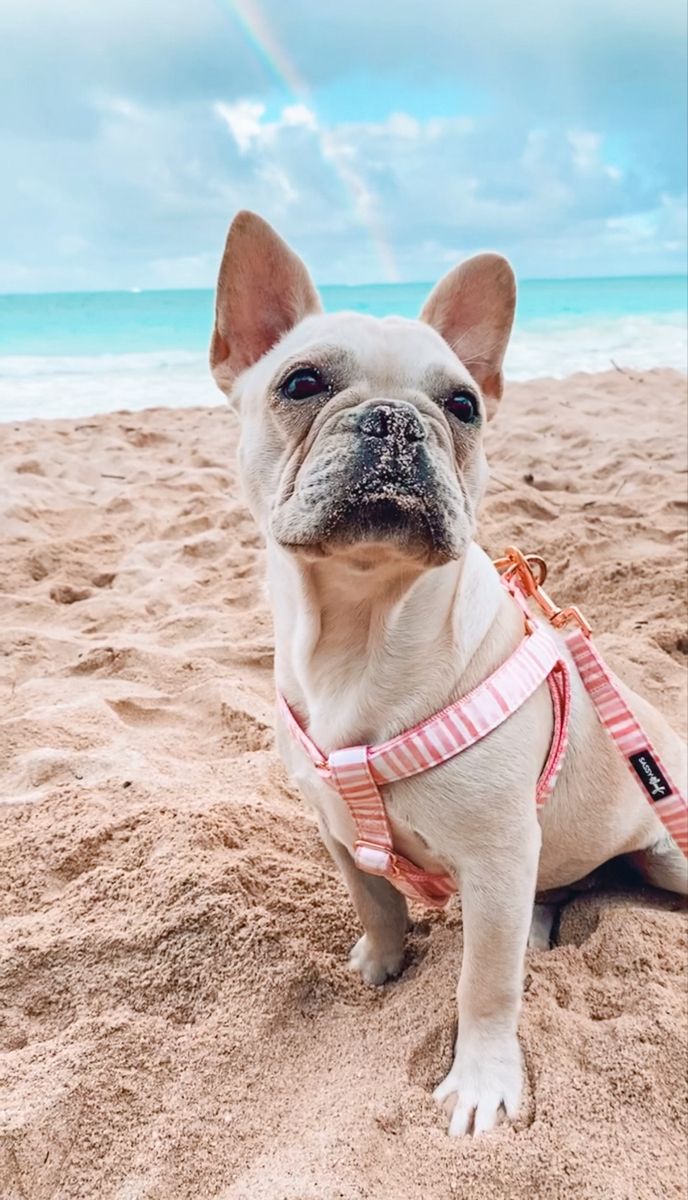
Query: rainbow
254,26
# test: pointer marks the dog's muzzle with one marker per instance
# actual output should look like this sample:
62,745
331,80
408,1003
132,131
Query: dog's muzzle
392,488
387,486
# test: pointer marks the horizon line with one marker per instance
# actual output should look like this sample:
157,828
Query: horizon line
135,291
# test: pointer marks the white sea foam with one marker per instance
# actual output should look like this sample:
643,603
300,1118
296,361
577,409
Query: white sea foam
57,386
557,348
19,366
77,386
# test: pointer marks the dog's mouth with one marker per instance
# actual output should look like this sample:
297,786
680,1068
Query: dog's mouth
407,518
411,523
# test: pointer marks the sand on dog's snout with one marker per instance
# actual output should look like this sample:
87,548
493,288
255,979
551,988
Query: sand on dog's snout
177,1021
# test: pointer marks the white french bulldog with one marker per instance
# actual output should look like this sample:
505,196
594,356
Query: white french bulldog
362,462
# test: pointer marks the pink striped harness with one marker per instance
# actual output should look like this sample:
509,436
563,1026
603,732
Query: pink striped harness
358,772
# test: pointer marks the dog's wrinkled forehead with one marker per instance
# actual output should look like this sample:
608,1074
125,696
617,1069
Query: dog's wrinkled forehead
387,352
389,357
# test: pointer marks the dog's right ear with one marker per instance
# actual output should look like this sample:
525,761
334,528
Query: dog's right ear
473,309
263,290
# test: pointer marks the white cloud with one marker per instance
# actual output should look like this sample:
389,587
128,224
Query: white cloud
279,181
586,152
132,133
243,120
641,235
299,114
585,148
182,271
632,229
272,146
361,200
402,125
436,127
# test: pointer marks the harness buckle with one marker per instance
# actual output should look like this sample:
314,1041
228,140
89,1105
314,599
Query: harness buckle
375,860
529,572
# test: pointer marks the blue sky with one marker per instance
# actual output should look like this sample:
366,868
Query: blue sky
384,140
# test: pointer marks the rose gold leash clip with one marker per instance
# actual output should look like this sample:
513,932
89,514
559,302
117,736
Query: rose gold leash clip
524,568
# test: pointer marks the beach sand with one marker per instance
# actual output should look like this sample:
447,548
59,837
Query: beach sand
177,1019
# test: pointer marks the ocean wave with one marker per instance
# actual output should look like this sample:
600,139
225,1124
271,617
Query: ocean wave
55,386
23,366
77,386
558,348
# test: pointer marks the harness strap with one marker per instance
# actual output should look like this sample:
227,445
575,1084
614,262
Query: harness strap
297,731
629,736
460,724
470,719
559,684
526,574
374,849
358,772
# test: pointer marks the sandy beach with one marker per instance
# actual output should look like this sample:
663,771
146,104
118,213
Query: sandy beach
177,1021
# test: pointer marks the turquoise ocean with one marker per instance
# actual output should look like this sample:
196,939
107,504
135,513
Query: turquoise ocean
74,354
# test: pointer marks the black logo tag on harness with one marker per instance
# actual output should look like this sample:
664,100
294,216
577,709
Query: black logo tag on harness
650,775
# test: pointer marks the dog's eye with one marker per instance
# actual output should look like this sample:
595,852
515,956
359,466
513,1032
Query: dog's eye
463,405
302,384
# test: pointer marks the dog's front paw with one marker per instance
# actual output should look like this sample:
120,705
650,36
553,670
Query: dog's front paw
373,963
483,1084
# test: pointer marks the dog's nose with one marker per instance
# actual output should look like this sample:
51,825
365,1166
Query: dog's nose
401,423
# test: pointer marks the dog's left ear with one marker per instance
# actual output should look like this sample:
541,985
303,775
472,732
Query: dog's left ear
473,309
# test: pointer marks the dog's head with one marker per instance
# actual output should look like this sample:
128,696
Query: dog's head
359,436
